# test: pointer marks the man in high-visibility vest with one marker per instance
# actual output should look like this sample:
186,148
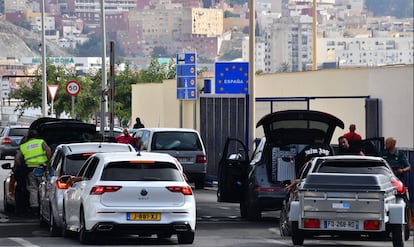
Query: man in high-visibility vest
36,153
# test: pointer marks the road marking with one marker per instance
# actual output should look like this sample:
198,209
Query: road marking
23,242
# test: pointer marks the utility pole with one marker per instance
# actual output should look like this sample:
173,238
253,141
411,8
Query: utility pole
44,79
252,98
104,91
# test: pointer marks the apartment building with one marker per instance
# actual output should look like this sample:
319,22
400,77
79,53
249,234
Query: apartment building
174,28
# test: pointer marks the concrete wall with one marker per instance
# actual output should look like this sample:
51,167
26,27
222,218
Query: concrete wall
157,105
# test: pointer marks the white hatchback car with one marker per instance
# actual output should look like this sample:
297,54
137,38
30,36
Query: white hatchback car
130,194
67,159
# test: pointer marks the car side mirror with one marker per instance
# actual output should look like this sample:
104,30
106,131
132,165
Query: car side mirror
6,166
65,178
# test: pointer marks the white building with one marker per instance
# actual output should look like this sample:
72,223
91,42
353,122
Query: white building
366,51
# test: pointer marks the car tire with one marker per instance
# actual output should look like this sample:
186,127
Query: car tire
55,231
199,182
397,233
7,206
253,213
85,237
297,234
65,232
185,238
243,209
285,227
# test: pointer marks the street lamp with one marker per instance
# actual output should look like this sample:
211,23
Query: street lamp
252,98
44,79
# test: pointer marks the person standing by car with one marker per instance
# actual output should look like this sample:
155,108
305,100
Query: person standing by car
316,149
345,148
36,153
20,192
138,124
352,135
126,138
395,158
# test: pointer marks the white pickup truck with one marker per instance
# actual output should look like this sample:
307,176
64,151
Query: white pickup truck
332,201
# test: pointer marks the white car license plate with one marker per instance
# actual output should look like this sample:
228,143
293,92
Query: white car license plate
341,224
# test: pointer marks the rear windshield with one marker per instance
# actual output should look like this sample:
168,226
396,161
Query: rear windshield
73,164
300,124
126,171
188,141
355,168
18,131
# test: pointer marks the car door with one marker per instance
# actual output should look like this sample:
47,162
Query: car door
81,189
232,171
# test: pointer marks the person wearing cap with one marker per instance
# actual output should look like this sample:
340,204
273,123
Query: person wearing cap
36,153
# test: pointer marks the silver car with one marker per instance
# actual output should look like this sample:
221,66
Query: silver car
67,160
184,144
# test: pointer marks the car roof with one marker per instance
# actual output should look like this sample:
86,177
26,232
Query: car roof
298,126
94,147
350,157
164,129
139,156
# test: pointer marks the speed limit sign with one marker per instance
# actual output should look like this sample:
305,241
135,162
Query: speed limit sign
72,87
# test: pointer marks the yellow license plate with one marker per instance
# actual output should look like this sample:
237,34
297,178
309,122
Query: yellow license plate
144,216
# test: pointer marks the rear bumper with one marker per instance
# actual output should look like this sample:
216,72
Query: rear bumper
141,229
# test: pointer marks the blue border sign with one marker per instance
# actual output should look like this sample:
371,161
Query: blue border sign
232,77
186,75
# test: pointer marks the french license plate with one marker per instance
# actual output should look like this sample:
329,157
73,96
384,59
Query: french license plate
341,224
144,216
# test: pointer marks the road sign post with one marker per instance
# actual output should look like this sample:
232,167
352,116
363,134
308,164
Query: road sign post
52,91
73,88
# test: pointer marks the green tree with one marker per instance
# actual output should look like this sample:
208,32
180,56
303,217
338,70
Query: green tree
30,93
87,102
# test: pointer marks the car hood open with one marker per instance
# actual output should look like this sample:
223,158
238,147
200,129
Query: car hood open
58,131
298,126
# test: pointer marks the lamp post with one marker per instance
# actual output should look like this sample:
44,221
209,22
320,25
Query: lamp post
252,98
44,79
104,84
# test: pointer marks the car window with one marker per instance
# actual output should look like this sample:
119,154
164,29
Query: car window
354,168
127,171
144,136
57,162
73,163
83,168
176,141
18,131
90,170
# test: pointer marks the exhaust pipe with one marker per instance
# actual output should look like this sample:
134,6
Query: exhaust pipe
180,228
105,227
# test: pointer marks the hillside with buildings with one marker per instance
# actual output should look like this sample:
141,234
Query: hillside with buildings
20,42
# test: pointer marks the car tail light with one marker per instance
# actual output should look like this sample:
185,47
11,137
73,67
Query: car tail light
399,186
271,189
201,158
311,223
372,225
185,190
99,190
61,185
6,141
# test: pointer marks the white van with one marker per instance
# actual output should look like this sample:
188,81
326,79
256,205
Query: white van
184,144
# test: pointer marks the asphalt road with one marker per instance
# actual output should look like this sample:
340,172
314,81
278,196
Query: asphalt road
218,225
